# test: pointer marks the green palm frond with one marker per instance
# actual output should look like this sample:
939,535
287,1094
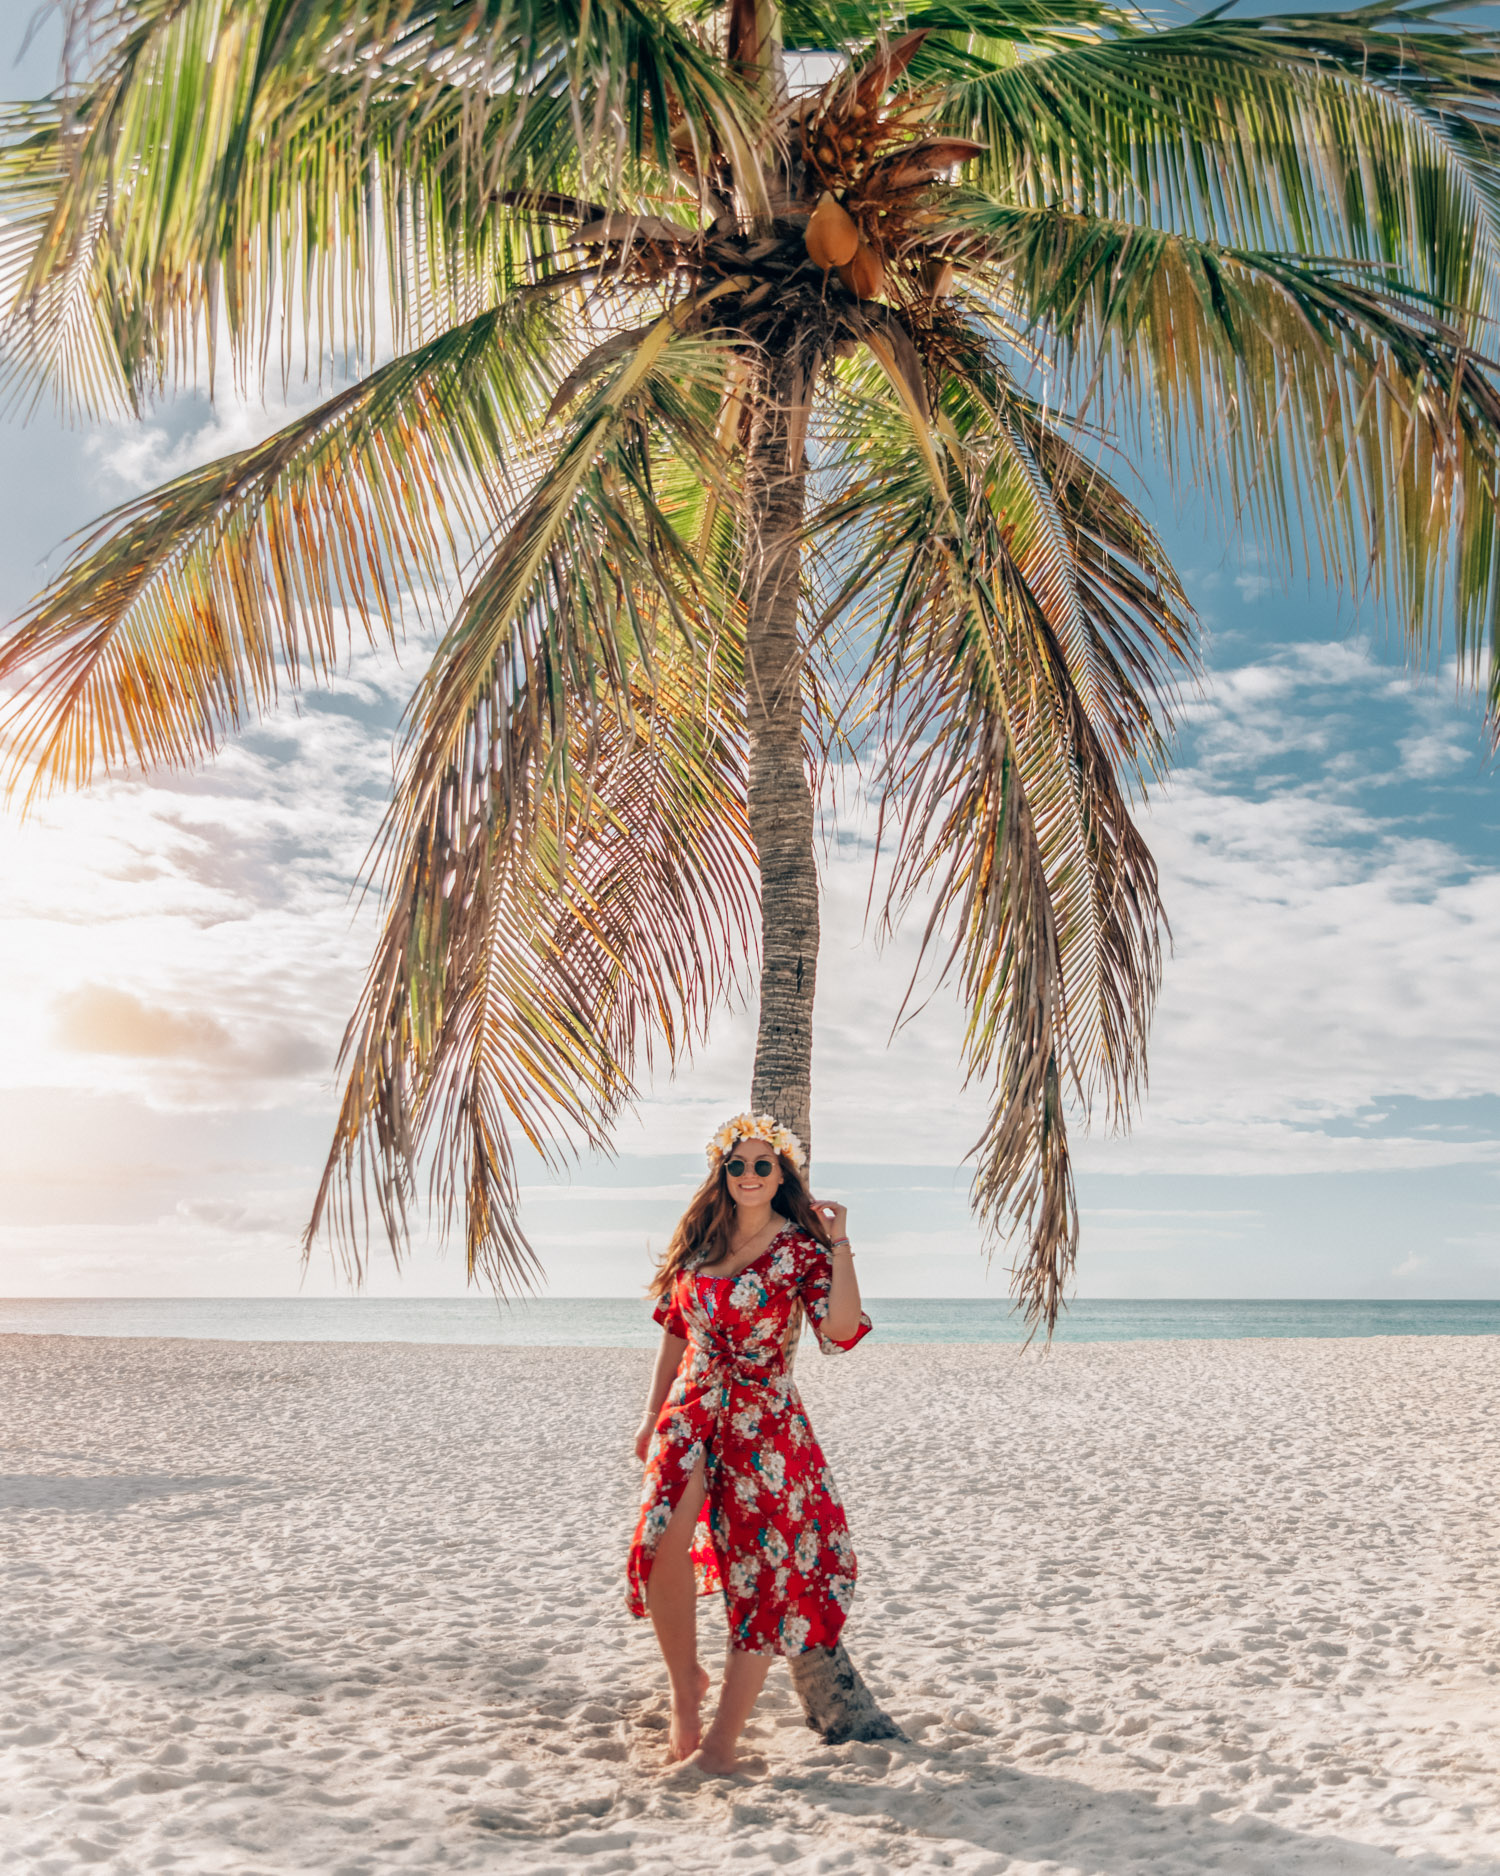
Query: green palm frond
1371,135
273,164
976,28
1306,394
551,601
185,611
570,873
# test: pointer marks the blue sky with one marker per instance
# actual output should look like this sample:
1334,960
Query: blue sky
177,956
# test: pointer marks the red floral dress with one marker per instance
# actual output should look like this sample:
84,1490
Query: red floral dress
772,1533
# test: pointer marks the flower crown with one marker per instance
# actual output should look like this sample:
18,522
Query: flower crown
756,1127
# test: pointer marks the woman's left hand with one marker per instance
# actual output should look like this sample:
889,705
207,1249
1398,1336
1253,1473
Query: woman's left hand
833,1217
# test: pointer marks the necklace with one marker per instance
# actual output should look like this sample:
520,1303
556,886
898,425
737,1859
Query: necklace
763,1239
755,1245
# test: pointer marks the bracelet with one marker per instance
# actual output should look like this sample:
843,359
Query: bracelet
837,1242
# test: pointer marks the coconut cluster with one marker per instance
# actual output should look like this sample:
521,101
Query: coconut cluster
867,168
855,196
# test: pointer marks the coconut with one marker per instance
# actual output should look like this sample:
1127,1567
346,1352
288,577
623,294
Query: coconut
832,237
863,274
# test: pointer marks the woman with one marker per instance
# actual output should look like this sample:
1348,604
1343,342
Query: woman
736,1493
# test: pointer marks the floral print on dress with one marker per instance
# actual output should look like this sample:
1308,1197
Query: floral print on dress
772,1534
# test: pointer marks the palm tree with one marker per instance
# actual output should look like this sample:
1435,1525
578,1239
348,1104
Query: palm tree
746,418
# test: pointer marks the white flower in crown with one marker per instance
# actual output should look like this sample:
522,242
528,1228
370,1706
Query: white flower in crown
756,1127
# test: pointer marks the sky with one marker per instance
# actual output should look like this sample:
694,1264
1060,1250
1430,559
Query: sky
178,955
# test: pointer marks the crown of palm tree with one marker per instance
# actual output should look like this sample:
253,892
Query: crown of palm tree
675,351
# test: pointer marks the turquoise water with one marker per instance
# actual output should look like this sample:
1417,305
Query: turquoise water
620,1322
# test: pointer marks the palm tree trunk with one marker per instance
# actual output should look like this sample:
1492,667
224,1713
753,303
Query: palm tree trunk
834,1698
781,803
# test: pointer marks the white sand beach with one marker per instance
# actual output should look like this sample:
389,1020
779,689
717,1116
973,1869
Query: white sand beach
357,1609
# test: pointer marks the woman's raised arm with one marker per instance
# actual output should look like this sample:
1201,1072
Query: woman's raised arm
842,1321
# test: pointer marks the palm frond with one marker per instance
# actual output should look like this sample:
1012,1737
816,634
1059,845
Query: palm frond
978,28
1312,396
1370,135
1001,767
520,999
568,860
318,164
546,594
183,612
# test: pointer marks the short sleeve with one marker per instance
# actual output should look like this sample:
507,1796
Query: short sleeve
668,1312
814,1280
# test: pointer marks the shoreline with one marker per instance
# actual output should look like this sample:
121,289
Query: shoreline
624,1322
310,1606
1014,1346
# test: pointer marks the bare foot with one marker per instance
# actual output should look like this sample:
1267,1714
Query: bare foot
717,1761
686,1728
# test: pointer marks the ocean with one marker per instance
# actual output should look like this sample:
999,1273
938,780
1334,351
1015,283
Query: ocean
623,1322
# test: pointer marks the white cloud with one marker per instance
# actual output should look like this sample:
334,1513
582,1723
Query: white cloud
1328,953
1438,747
1428,756
97,1020
193,939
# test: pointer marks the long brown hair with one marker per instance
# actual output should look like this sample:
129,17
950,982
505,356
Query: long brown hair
705,1230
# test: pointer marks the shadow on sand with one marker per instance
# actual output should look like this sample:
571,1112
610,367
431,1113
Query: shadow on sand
1026,1818
109,1491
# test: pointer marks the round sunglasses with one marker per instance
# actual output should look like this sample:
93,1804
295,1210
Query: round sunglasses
736,1168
